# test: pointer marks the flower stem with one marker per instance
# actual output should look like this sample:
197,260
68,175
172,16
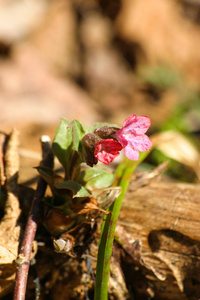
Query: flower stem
123,176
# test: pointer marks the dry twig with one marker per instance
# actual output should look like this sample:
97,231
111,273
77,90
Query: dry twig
31,227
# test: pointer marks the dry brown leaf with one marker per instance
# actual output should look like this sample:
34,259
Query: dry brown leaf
87,207
178,147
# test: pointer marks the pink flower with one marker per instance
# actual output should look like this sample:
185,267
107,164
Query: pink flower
106,150
132,136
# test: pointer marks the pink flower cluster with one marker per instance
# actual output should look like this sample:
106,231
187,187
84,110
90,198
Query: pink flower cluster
131,137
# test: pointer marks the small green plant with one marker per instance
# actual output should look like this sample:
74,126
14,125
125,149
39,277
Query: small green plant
85,191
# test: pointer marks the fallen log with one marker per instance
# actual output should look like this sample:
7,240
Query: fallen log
159,228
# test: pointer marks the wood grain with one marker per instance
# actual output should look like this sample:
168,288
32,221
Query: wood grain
163,217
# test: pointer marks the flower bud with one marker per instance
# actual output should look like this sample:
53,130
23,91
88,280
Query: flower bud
106,132
89,141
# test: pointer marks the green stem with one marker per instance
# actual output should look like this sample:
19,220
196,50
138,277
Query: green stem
123,176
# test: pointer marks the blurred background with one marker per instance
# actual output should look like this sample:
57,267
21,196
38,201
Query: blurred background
102,60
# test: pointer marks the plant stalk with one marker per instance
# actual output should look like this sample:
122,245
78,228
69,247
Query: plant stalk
123,176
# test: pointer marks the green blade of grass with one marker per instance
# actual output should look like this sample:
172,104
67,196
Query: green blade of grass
123,176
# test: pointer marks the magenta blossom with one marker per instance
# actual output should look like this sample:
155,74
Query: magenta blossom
106,150
131,137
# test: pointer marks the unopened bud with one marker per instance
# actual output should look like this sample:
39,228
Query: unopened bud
106,132
89,140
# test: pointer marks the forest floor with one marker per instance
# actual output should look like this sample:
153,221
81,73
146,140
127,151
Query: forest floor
96,61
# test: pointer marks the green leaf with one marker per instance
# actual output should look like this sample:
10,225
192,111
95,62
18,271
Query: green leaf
62,144
66,142
49,201
77,189
59,204
91,129
47,174
77,134
96,178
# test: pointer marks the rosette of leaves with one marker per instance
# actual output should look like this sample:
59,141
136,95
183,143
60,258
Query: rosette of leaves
82,193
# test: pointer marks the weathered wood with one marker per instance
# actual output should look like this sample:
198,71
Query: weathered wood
9,226
164,217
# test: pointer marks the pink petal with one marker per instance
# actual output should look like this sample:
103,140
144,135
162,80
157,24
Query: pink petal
130,153
106,150
132,118
136,125
119,136
139,142
105,158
